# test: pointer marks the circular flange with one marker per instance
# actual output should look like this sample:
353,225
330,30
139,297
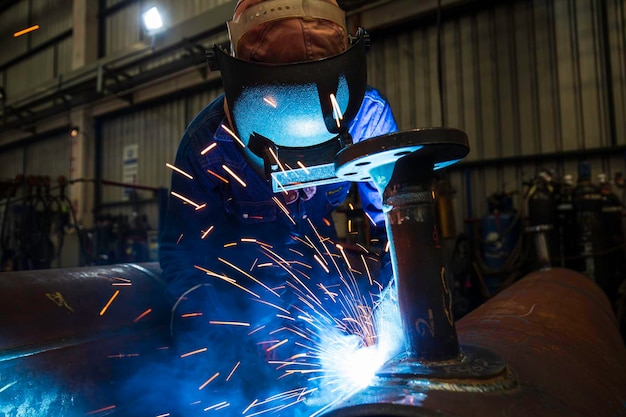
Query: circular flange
474,369
442,146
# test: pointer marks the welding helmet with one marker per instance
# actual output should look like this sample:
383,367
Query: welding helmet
292,117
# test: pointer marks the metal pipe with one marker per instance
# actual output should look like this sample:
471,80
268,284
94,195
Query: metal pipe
424,298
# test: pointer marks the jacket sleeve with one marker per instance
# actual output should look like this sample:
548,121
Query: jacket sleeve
375,119
193,210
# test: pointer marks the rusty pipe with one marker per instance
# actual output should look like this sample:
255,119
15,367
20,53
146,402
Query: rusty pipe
555,330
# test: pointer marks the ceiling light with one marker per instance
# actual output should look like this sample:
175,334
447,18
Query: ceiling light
152,20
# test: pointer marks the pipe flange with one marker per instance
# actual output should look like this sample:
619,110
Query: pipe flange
475,369
442,146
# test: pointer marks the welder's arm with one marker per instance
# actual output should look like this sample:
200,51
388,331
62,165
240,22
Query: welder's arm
181,243
376,119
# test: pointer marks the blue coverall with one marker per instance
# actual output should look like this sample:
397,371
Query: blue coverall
201,246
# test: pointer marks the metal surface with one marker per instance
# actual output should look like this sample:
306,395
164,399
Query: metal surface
70,337
557,334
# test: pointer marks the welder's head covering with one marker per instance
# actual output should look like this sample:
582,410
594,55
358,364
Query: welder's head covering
281,32
294,80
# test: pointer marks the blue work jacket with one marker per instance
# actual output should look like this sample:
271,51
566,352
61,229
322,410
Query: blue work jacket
210,213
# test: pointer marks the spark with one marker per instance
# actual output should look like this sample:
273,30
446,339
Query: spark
187,315
218,176
217,406
234,136
195,352
326,221
229,245
208,148
185,199
108,304
248,240
142,315
345,258
206,233
296,252
180,171
317,258
179,239
270,101
269,349
7,386
25,31
233,371
351,206
100,410
336,110
236,268
370,218
164,415
230,323
284,209
387,246
232,174
301,165
208,381
276,159
229,280
369,276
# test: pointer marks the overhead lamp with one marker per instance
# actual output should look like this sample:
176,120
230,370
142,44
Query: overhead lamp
74,131
152,20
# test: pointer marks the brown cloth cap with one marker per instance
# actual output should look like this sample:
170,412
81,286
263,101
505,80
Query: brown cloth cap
291,39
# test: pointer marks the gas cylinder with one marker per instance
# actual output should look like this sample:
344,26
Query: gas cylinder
542,219
500,231
589,238
612,211
565,220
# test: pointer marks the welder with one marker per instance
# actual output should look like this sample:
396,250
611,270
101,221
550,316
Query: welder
229,207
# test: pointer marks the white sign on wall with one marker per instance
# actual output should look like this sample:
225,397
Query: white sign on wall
130,168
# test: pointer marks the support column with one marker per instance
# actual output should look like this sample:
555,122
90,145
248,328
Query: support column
84,52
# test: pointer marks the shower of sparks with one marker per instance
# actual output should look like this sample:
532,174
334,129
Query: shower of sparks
185,199
326,325
233,135
108,304
180,171
208,149
337,114
232,174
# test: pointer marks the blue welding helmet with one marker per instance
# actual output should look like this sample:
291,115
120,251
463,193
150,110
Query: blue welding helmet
293,118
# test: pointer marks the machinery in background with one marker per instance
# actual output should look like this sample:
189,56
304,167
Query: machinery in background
36,217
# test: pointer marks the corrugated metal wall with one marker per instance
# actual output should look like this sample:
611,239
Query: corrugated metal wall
53,18
123,28
522,78
156,131
49,156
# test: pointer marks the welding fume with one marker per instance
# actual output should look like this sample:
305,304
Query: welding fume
266,302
